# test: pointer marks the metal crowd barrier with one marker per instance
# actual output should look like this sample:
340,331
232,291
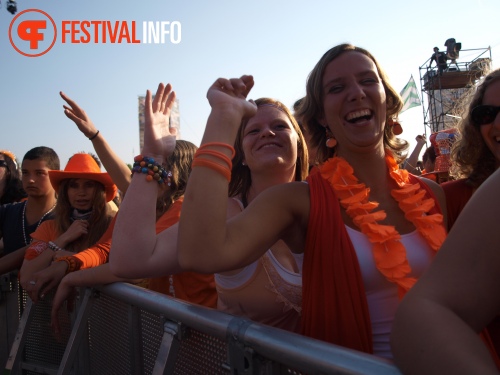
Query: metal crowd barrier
124,329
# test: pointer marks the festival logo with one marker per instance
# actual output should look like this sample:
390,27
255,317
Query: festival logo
33,32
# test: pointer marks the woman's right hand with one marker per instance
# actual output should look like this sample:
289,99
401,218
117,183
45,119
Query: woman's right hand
75,231
230,96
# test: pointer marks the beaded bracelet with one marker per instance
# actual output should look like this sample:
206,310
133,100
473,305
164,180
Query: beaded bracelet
70,261
54,247
152,169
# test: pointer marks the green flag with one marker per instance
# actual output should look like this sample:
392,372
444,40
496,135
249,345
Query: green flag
410,95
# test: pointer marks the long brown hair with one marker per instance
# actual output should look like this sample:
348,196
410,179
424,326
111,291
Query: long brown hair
98,222
179,165
311,109
241,177
471,157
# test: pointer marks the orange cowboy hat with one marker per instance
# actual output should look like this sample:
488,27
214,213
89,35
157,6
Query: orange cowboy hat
84,166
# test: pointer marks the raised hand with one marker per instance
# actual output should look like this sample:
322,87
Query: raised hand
231,95
420,139
159,141
78,116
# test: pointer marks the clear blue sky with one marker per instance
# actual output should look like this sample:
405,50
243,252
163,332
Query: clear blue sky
276,41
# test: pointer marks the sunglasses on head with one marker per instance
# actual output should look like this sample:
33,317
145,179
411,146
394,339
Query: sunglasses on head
484,114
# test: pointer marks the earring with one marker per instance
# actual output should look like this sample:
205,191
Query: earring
395,125
331,142
243,163
397,129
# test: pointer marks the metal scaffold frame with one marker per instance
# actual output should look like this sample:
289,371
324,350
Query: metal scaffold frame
443,92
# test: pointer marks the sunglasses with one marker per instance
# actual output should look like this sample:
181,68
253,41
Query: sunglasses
484,114
3,163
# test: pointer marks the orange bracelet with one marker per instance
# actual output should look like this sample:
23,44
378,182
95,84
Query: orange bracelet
216,154
70,261
231,148
199,162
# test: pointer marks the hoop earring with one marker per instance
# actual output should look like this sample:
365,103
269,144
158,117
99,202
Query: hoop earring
331,142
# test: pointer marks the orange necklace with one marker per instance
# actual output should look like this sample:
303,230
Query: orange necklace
388,251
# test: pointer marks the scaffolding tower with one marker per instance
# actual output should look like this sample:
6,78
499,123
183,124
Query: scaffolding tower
444,91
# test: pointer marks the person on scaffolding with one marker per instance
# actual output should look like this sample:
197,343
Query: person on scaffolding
440,59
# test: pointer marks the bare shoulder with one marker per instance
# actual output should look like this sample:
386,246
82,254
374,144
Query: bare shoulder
438,192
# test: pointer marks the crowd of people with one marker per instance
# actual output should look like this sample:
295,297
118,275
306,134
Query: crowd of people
317,222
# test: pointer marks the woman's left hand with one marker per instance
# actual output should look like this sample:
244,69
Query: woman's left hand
159,141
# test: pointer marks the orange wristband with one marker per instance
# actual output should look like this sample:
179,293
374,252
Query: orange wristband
220,144
199,162
217,154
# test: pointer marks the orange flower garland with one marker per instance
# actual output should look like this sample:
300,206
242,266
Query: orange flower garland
388,251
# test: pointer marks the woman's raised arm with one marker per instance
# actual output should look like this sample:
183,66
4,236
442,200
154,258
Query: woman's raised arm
135,248
206,243
117,169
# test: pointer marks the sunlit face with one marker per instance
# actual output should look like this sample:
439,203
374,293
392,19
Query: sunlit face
269,139
354,102
35,178
81,193
491,132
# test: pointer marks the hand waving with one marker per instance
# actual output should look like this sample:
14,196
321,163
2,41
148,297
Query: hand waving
159,141
78,116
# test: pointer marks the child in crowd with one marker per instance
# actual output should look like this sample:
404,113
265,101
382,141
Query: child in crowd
19,220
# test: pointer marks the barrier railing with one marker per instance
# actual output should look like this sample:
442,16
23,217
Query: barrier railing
125,329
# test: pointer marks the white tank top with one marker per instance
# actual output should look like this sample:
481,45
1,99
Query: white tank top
381,294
